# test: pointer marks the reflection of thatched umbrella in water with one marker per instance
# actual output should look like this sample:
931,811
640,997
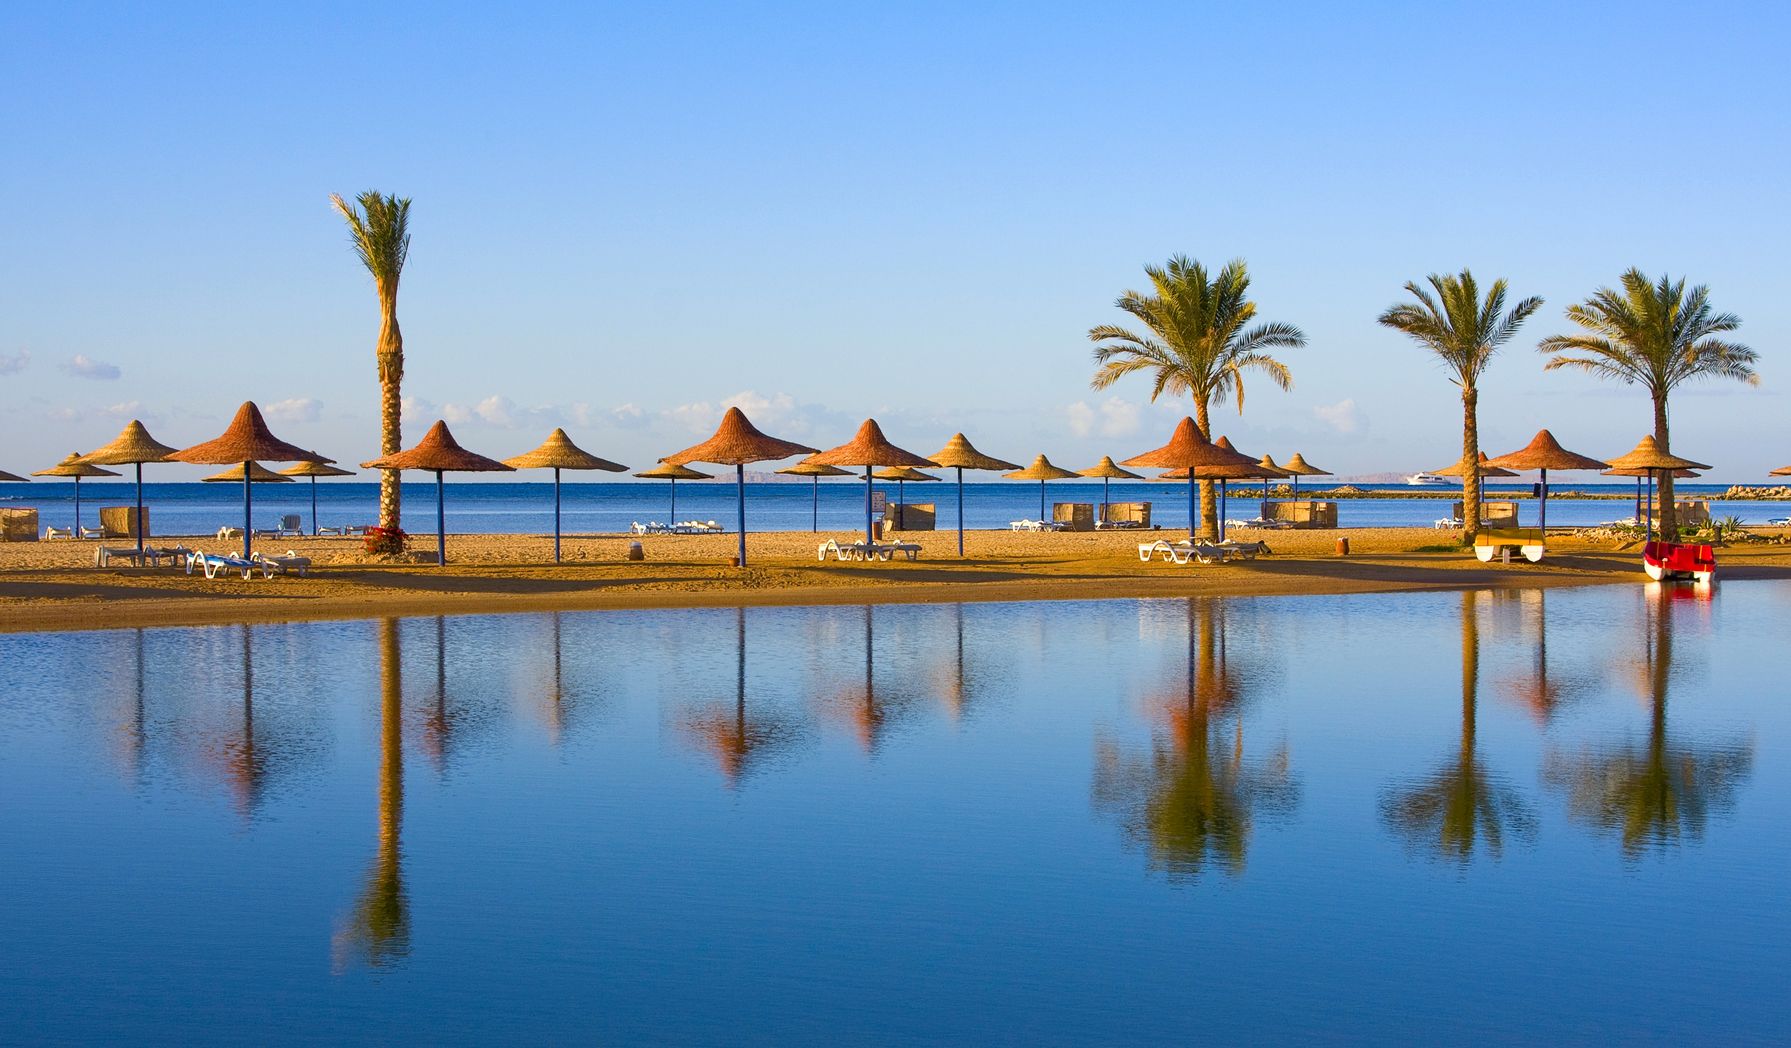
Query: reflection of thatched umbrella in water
814,471
736,740
959,455
72,466
1190,803
132,447
378,928
1537,692
440,723
1461,805
1651,796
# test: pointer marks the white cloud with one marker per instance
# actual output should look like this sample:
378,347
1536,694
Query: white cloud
1343,416
458,414
296,409
628,416
64,414
129,409
12,364
1113,417
415,407
83,366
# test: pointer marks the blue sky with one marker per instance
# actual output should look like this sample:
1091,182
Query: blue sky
628,217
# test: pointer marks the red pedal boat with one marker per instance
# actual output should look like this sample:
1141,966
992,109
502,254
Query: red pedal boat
1676,560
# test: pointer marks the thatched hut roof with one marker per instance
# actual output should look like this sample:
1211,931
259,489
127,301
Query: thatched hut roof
438,452
868,447
1545,452
735,443
667,471
1110,470
74,466
1648,455
1485,470
258,474
558,452
132,445
958,454
1042,469
246,439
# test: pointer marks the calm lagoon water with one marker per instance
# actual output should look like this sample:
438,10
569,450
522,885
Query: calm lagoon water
1440,817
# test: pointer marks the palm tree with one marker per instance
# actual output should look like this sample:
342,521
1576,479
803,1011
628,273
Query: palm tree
1464,332
1654,335
380,233
1199,343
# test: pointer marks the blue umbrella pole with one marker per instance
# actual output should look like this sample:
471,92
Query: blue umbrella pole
137,525
814,513
674,519
248,512
1041,500
78,506
1193,515
740,508
960,511
441,523
867,506
314,531
556,514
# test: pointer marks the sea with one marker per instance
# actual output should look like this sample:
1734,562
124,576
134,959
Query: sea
837,505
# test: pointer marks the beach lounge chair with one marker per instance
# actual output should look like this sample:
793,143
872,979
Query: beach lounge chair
841,551
1034,525
1446,523
345,529
1492,542
103,556
213,565
228,532
288,564
175,556
888,550
288,525
92,533
54,532
1181,552
1243,550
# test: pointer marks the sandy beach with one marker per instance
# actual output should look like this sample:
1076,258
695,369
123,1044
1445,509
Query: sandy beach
54,586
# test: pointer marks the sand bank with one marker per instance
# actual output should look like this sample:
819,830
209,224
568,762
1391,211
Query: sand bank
53,586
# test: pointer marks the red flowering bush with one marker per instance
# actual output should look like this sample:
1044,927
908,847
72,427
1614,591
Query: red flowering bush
389,541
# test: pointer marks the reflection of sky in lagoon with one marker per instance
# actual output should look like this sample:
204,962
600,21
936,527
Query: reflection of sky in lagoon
1443,815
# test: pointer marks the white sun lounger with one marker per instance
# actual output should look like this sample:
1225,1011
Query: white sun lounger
1181,552
1034,525
288,564
54,532
214,565
842,550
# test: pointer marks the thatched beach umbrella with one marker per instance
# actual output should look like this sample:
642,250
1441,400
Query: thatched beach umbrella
1107,470
558,452
674,474
1041,470
1188,449
902,475
868,448
258,474
1298,467
133,446
326,468
1544,453
1648,456
1271,471
959,455
72,466
1485,470
438,453
1782,471
14,478
245,441
1253,469
814,471
735,443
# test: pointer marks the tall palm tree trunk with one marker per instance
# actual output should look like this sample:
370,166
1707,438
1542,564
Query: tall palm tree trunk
1470,457
1669,521
1209,503
390,355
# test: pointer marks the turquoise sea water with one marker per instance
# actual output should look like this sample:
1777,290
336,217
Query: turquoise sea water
527,508
1438,818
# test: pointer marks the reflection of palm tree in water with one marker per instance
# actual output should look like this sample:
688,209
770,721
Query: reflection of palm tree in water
1193,799
1461,805
378,928
1654,795
736,740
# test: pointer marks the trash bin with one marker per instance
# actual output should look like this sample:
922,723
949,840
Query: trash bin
1343,546
635,552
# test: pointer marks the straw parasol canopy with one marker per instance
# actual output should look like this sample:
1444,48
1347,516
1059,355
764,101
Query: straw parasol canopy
959,455
1544,453
132,447
735,443
1107,469
1485,470
439,453
1042,469
1271,470
14,478
258,474
904,474
1299,467
1188,449
814,471
74,466
868,447
326,468
1638,473
1648,456
558,452
1782,471
246,439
